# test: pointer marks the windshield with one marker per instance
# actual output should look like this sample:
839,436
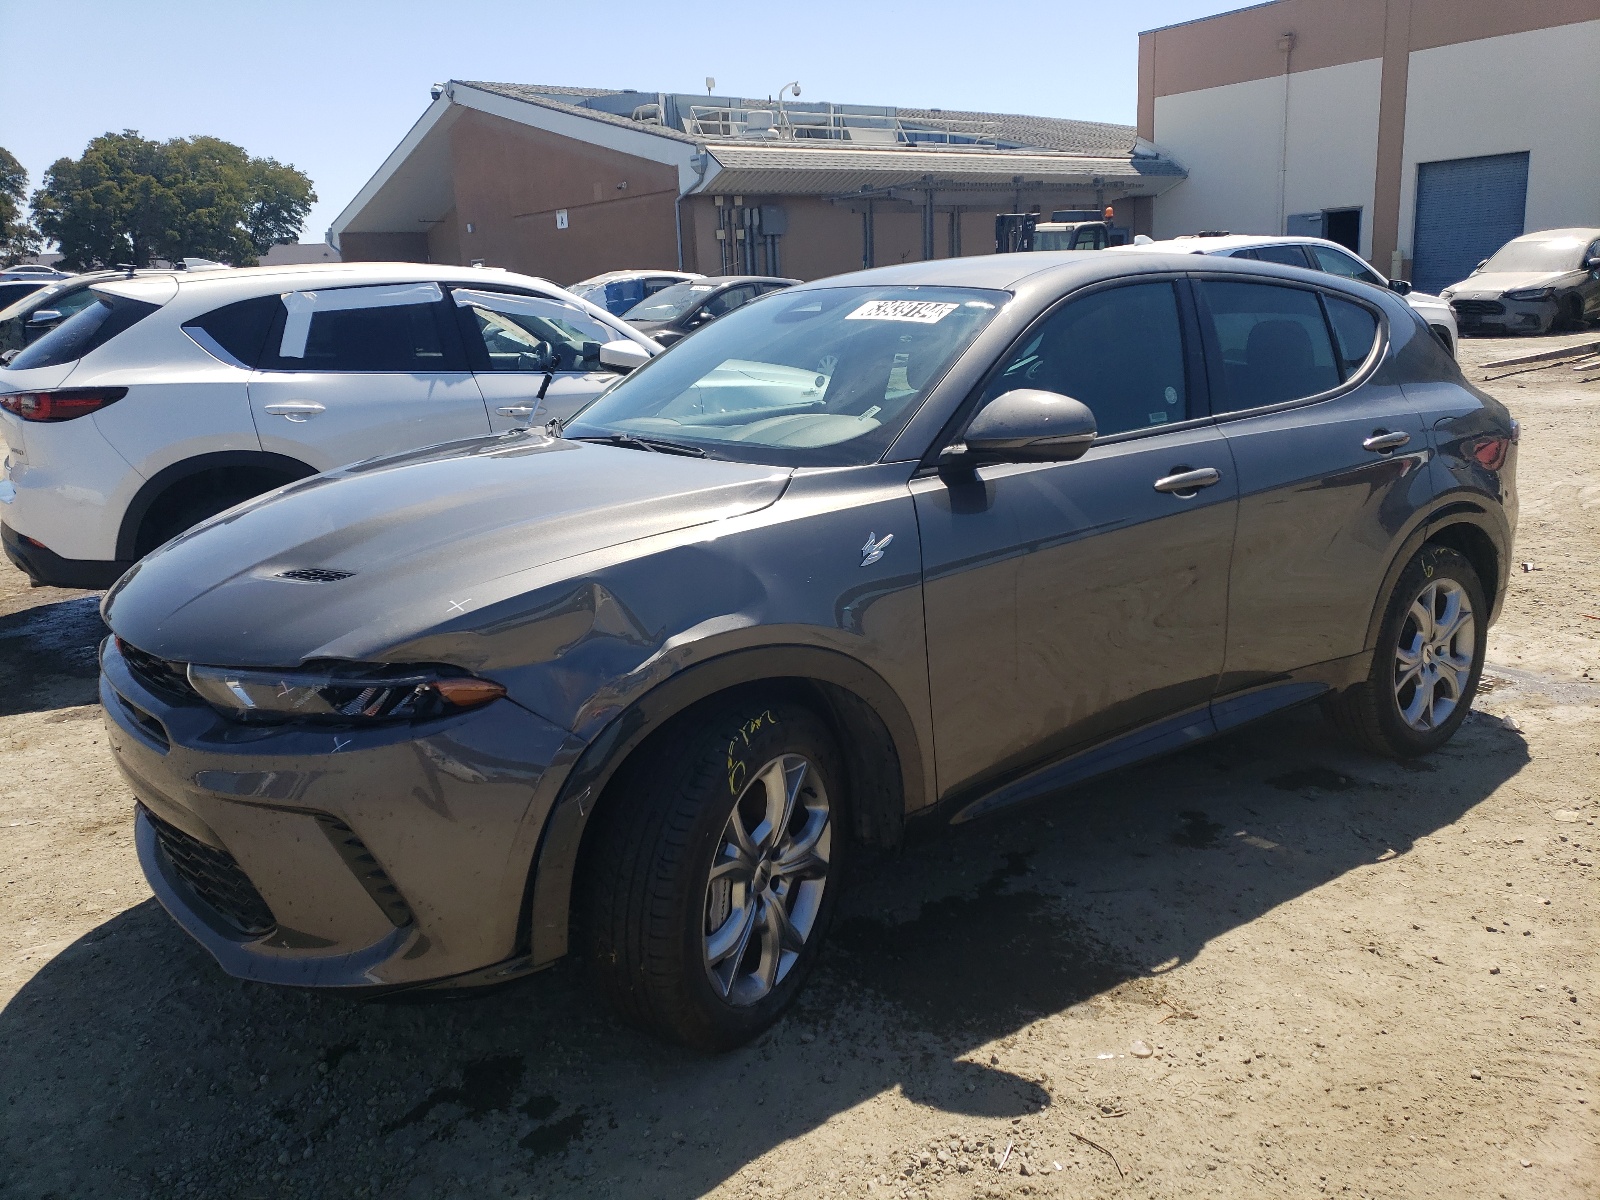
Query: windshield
1555,254
670,303
816,378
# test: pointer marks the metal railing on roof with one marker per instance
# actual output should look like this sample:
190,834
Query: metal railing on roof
780,123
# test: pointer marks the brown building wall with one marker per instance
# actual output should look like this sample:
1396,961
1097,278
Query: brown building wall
384,247
510,181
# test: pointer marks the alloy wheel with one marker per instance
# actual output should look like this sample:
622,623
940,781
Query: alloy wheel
767,880
1434,656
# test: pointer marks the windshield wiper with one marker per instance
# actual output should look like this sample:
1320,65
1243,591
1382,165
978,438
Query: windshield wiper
656,445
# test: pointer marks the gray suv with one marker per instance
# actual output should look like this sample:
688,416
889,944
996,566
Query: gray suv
899,547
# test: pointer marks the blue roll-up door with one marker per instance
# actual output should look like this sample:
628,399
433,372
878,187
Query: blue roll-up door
1467,208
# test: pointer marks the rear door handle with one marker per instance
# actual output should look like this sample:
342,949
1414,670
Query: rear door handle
515,410
1188,482
1382,442
295,410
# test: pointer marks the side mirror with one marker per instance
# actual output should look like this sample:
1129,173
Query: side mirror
1400,287
622,355
1592,264
44,316
1481,265
1026,425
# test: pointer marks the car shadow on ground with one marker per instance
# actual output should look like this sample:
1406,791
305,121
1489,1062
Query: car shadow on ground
939,950
49,655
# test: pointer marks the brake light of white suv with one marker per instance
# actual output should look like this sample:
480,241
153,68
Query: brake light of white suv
61,404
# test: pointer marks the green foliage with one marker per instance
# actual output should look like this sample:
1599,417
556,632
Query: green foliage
17,236
132,200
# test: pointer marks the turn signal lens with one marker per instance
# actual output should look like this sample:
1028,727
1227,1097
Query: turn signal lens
61,404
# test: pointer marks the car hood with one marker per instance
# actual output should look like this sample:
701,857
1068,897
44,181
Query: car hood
1489,286
430,539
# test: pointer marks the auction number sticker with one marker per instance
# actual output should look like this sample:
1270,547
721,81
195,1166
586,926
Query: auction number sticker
919,312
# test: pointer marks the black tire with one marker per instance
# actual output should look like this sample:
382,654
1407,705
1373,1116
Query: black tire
1370,713
1571,315
645,900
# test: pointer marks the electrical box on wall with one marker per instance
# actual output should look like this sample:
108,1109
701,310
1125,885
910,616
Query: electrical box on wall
774,219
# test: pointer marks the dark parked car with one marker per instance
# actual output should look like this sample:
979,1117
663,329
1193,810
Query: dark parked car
679,310
29,316
902,546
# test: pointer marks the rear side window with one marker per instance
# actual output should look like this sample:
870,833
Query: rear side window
87,329
1119,351
237,331
1274,343
1336,262
390,329
1355,328
1289,256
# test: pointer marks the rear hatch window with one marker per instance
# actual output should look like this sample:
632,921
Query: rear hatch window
88,329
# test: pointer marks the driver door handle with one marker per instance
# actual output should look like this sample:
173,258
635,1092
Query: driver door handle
515,410
1381,441
295,410
1188,481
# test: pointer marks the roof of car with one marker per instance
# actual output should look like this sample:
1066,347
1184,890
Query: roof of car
641,273
724,280
309,275
1559,235
1052,268
1228,241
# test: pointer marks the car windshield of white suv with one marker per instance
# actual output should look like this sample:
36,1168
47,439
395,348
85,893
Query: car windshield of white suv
1556,254
670,303
815,378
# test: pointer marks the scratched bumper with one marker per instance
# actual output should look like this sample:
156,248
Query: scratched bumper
394,856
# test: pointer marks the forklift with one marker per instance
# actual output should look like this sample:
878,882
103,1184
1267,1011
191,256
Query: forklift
1067,229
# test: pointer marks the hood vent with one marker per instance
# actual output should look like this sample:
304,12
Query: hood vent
314,575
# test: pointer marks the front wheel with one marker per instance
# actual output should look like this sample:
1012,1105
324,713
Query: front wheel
1427,663
710,882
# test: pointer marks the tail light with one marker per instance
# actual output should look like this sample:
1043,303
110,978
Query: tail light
1491,451
60,404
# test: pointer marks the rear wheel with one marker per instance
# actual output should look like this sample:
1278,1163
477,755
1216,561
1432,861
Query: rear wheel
1428,660
710,882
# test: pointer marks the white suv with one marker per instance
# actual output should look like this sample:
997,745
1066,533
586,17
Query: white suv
1316,254
170,399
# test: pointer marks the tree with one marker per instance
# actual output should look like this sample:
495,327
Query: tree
17,236
132,200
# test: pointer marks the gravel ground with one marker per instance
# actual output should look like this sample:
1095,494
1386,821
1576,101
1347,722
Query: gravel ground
1270,966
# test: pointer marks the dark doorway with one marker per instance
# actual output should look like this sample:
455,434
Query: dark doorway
1343,225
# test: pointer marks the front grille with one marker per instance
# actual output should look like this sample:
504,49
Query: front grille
169,679
315,575
1478,308
215,878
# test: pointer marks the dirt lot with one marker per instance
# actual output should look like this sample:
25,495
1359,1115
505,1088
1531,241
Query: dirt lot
1355,978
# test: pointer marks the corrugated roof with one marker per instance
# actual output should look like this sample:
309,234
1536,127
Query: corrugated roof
1048,133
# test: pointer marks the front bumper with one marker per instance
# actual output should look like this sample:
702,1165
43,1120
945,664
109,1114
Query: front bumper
387,857
1496,314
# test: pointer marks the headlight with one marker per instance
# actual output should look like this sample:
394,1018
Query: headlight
1543,293
346,694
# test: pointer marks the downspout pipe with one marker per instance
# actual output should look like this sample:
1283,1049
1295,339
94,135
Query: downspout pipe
698,162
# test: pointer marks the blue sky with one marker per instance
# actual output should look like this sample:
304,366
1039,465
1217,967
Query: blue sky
332,86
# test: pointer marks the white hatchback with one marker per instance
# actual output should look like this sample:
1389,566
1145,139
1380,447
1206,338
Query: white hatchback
173,398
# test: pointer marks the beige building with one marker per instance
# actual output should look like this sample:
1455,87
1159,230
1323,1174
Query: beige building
1424,134
568,182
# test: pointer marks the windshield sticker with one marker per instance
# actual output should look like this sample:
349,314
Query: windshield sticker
918,312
